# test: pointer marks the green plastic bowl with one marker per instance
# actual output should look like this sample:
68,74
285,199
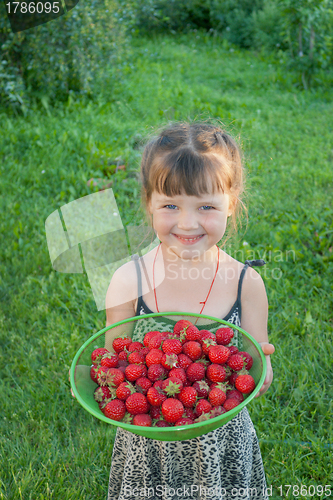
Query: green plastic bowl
83,387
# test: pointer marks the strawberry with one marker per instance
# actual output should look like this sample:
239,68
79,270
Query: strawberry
192,349
169,361
188,396
115,410
155,341
157,372
217,397
123,355
142,419
97,354
133,372
162,423
136,357
203,406
205,335
114,377
235,394
93,372
124,390
137,403
153,357
232,378
178,373
215,373
202,388
190,333
216,411
189,412
184,421
102,393
218,354
144,351
101,375
184,361
172,410
135,346
195,372
172,386
235,362
245,383
120,343
155,396
230,404
224,336
248,360
109,360
172,346
206,344
233,349
181,325
142,384
158,384
148,336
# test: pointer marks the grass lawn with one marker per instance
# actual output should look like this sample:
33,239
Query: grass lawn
50,447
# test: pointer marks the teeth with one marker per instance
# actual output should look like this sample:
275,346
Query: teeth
190,239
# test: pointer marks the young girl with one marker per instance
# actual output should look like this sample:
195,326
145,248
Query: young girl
192,182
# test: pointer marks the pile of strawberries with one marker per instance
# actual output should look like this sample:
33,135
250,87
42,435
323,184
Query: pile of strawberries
171,379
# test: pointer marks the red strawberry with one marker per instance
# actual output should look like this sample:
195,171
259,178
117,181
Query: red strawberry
217,411
101,394
230,404
158,384
236,362
123,355
114,377
133,372
188,396
217,397
203,406
178,373
184,421
93,372
172,410
232,378
136,357
142,384
157,372
124,390
191,333
135,346
153,357
215,373
195,372
137,403
142,419
155,396
169,361
172,346
120,343
97,354
155,412
155,341
218,354
172,386
234,394
233,349
245,383
184,361
189,412
192,349
162,423
206,344
148,336
248,360
109,360
206,334
115,410
224,336
181,325
101,375
202,388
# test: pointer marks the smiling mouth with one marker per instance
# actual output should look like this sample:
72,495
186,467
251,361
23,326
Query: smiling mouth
186,238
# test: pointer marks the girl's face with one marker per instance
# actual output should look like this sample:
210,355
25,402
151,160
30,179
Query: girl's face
190,225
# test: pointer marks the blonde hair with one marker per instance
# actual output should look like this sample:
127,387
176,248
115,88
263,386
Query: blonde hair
190,158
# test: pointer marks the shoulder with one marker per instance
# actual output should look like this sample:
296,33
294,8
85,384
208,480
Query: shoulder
253,289
123,286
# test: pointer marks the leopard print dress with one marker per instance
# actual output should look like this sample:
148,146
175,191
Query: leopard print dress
224,464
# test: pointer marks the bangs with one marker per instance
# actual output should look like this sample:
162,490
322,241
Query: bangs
186,172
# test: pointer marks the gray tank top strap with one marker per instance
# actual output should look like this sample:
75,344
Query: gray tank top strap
248,263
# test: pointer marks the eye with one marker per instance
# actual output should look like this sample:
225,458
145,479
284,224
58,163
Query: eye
206,207
170,206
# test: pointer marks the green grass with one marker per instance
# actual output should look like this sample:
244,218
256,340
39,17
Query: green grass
50,447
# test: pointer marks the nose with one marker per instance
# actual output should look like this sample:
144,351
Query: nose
187,221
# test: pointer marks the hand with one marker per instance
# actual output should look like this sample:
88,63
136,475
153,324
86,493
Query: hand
267,349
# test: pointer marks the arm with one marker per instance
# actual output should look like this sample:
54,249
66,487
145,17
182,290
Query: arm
120,303
254,318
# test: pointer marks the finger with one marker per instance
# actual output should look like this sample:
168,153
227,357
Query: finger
267,348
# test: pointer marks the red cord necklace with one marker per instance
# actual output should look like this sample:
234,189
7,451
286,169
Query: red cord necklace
211,286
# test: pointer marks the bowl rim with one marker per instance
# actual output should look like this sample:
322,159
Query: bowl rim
197,425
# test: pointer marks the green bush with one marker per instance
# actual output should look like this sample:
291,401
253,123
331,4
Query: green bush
61,57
